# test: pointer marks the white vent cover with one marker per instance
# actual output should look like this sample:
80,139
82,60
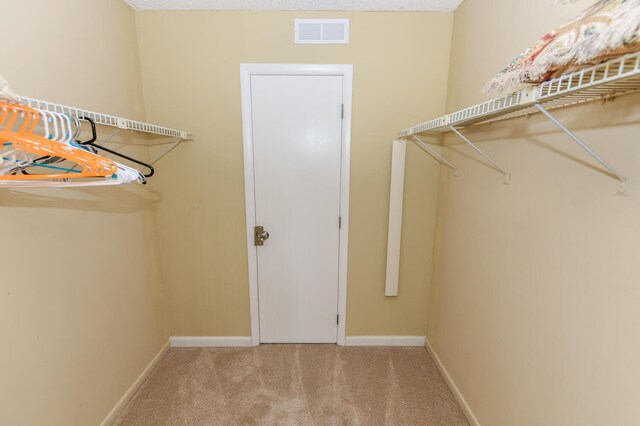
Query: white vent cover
322,31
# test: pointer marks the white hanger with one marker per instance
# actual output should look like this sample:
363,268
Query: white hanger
57,127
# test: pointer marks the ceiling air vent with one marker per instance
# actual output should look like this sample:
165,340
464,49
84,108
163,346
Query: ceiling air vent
322,31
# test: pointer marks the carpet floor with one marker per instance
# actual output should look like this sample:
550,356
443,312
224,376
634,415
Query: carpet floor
294,385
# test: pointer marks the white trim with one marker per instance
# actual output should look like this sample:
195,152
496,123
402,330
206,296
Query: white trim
385,341
346,71
394,232
454,389
122,403
250,206
210,341
355,5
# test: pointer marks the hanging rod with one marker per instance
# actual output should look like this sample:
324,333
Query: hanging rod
622,188
507,176
434,154
104,119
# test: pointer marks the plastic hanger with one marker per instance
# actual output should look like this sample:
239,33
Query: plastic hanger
18,152
65,135
94,137
91,165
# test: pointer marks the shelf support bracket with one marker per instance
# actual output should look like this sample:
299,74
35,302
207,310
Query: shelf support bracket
104,142
434,154
622,188
173,146
507,176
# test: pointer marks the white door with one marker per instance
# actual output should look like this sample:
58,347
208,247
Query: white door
297,128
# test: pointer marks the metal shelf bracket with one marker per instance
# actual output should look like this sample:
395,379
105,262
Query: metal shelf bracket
622,187
507,176
434,154
171,147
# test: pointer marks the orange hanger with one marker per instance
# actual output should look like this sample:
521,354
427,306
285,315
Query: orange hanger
91,165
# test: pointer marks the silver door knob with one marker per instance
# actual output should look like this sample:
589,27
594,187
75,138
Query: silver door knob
259,235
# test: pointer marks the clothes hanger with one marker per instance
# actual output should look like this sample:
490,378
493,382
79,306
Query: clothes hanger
123,175
12,157
55,135
15,160
94,137
60,122
18,156
23,139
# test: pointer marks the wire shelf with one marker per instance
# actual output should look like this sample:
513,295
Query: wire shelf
492,108
104,119
429,126
613,78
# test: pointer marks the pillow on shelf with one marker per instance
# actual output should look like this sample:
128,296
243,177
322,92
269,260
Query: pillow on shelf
608,29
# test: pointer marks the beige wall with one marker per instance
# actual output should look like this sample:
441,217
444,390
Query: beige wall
534,308
80,298
190,67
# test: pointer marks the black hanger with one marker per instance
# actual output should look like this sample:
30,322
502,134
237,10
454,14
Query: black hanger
94,137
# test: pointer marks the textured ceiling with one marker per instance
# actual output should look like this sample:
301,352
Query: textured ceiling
346,5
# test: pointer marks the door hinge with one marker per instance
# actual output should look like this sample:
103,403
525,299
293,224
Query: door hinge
337,318
342,111
339,222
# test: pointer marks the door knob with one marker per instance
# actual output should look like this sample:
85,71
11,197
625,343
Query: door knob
259,235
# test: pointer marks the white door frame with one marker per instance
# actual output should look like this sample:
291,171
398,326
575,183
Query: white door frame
246,71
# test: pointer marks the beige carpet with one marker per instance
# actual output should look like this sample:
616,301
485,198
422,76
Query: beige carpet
294,385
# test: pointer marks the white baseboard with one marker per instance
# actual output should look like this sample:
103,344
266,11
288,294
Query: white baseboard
117,409
385,341
210,341
454,389
245,341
